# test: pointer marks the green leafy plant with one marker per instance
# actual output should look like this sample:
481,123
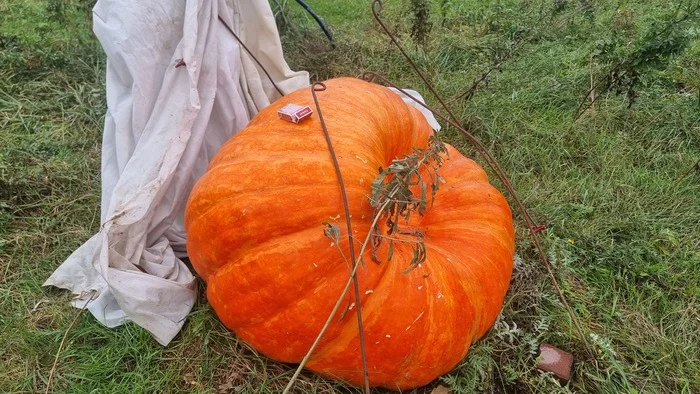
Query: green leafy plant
56,10
421,25
663,40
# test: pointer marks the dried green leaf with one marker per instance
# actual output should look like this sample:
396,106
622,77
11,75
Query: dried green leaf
423,203
392,189
331,231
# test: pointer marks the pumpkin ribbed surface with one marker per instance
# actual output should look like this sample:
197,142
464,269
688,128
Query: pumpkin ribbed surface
255,235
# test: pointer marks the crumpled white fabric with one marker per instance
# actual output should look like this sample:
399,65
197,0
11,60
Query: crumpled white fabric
164,122
410,101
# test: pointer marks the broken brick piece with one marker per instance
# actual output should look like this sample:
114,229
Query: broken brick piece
555,360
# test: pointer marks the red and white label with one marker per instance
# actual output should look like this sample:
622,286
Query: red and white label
294,113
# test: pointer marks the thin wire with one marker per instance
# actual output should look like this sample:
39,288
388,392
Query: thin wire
376,10
320,87
534,229
251,55
339,300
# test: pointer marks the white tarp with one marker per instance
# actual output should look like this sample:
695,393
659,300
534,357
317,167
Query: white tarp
410,101
163,124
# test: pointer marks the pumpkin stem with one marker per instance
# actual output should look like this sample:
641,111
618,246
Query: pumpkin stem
397,184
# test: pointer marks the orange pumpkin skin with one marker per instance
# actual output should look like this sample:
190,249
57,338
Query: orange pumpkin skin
255,235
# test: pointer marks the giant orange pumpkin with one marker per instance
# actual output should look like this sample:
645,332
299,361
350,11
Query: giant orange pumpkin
255,235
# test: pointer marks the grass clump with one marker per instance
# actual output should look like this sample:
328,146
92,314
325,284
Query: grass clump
622,232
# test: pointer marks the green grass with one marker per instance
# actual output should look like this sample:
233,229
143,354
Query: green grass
624,242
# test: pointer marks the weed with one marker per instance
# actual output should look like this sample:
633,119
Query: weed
420,24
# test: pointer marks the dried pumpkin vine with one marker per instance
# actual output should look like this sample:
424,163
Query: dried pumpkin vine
393,199
394,187
491,161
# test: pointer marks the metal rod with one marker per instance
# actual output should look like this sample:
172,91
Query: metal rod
251,55
533,227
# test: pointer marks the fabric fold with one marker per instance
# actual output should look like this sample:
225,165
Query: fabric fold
178,86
